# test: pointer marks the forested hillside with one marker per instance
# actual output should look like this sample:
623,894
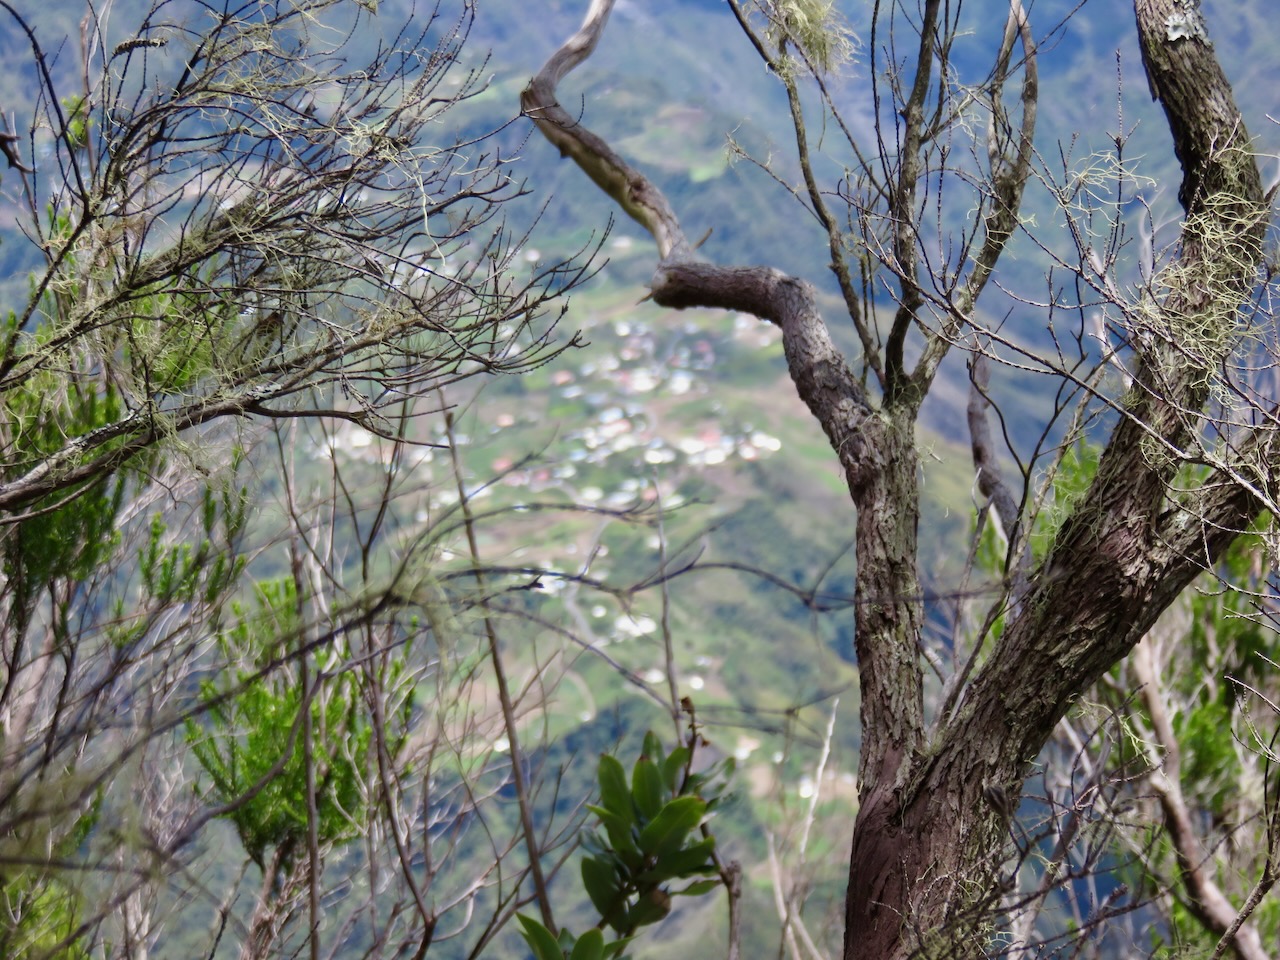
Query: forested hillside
395,565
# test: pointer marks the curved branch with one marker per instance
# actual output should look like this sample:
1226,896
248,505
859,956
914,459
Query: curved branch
1187,79
9,147
681,281
629,188
836,243
1010,161
875,448
902,205
986,462
1207,901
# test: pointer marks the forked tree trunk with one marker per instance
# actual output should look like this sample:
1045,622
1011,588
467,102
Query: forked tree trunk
925,867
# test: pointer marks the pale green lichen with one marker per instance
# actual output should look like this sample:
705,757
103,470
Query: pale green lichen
816,27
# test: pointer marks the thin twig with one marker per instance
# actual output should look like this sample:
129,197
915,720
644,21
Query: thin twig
504,692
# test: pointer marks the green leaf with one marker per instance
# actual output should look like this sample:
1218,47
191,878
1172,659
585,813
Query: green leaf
653,749
590,946
681,863
592,842
697,888
600,878
654,906
619,830
713,782
614,795
673,768
615,949
646,788
539,938
671,827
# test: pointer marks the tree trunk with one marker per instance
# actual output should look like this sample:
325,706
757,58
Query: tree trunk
925,873
924,870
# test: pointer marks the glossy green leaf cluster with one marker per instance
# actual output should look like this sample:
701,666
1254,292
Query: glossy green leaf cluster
649,847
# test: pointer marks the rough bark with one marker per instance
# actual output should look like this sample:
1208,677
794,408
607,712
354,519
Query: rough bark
924,867
1128,549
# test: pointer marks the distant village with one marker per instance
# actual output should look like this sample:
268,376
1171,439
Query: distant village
630,390
619,390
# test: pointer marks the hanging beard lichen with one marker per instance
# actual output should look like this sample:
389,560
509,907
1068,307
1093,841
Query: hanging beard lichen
816,28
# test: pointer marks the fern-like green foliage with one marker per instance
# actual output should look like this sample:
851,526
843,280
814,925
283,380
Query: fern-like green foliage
250,742
257,729
1075,473
41,918
75,533
205,570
